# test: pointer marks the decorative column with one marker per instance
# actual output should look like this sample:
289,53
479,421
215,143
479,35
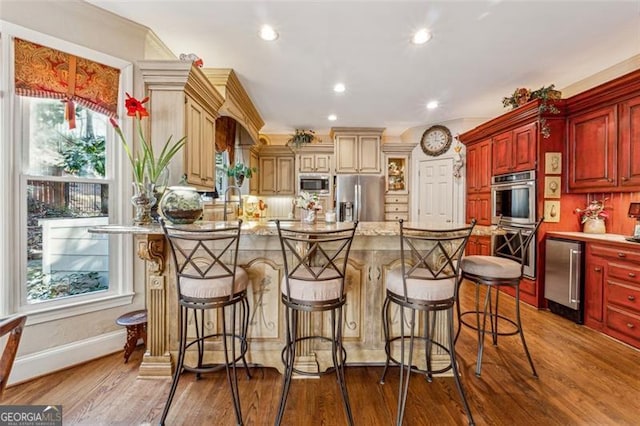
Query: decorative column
156,361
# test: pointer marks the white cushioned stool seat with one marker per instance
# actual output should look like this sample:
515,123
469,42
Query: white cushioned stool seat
491,267
309,289
421,289
213,288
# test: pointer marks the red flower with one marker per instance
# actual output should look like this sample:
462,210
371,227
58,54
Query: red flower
135,107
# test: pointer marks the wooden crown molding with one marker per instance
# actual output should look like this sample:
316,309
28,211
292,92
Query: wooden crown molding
177,75
608,93
237,103
398,148
355,131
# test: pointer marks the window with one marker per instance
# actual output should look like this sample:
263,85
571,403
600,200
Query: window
65,189
55,184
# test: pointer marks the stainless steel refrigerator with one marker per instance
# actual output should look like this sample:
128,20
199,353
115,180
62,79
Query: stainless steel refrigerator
360,197
563,284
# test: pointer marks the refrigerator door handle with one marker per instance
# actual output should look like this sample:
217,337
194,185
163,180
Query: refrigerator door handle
573,275
356,207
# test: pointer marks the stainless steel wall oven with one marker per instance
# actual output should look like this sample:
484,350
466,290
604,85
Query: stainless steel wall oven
514,197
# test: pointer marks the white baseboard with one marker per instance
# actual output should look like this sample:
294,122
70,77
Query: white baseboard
54,359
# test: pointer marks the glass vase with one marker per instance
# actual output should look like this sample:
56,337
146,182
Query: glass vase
181,204
308,216
143,199
158,191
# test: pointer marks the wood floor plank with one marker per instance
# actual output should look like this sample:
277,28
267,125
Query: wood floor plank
585,378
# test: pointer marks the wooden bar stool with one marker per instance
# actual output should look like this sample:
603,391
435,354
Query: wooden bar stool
136,324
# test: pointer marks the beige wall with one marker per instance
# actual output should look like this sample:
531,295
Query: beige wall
76,339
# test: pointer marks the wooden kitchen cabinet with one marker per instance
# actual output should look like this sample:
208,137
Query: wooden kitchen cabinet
479,167
357,150
254,162
515,150
593,291
199,151
629,145
479,245
479,208
603,145
592,149
277,174
613,284
315,163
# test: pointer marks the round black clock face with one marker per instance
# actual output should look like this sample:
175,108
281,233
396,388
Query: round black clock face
436,140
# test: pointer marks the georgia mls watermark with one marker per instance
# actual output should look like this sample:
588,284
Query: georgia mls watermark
30,415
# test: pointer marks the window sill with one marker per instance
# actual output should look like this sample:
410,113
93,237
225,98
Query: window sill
51,313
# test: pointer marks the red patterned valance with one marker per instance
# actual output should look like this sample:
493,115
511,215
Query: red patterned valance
44,72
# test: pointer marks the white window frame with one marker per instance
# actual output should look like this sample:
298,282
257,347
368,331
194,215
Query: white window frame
13,187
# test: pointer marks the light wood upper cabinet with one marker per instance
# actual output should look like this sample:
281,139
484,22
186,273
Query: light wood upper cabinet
199,151
254,182
315,163
276,173
358,151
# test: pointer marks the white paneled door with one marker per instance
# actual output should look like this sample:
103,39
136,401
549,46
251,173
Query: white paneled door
435,197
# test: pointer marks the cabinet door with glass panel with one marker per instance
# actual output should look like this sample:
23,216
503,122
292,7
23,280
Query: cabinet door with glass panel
397,174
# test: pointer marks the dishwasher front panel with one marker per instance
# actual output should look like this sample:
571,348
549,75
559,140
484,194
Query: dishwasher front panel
563,272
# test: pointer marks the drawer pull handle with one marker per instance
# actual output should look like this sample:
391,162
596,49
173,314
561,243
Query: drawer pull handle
597,269
631,298
630,325
632,275
622,255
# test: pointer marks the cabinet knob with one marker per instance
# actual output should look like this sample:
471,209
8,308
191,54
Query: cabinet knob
630,325
620,254
610,180
631,298
597,269
632,275
624,178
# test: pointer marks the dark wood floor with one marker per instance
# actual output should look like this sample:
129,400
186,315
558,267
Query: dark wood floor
586,378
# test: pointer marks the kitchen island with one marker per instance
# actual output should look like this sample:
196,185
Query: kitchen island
374,253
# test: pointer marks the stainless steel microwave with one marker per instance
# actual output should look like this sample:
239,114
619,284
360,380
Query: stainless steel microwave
314,183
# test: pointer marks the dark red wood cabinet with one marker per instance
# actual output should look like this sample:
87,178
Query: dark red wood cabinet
479,182
479,245
592,150
515,150
629,145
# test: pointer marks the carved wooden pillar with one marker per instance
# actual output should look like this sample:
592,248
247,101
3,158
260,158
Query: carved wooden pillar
157,359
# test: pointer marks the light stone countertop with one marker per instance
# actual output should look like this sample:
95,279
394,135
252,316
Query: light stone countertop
590,238
268,228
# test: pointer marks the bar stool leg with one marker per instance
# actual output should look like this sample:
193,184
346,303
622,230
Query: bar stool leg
524,343
245,328
338,360
387,343
232,377
176,375
482,329
404,385
290,354
454,366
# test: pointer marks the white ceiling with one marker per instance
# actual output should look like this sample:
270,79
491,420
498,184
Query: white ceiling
480,52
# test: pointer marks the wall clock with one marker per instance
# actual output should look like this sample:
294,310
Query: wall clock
436,140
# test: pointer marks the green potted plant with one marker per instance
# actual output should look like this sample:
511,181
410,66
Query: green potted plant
546,94
302,137
239,172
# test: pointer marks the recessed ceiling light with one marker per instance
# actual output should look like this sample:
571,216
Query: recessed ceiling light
332,117
432,105
339,88
267,33
421,36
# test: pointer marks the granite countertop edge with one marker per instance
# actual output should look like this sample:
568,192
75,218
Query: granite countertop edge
267,228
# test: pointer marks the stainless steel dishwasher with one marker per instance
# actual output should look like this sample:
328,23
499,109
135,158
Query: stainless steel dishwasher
563,284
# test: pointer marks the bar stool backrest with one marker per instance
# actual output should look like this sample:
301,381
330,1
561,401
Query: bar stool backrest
205,252
514,245
432,254
315,254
